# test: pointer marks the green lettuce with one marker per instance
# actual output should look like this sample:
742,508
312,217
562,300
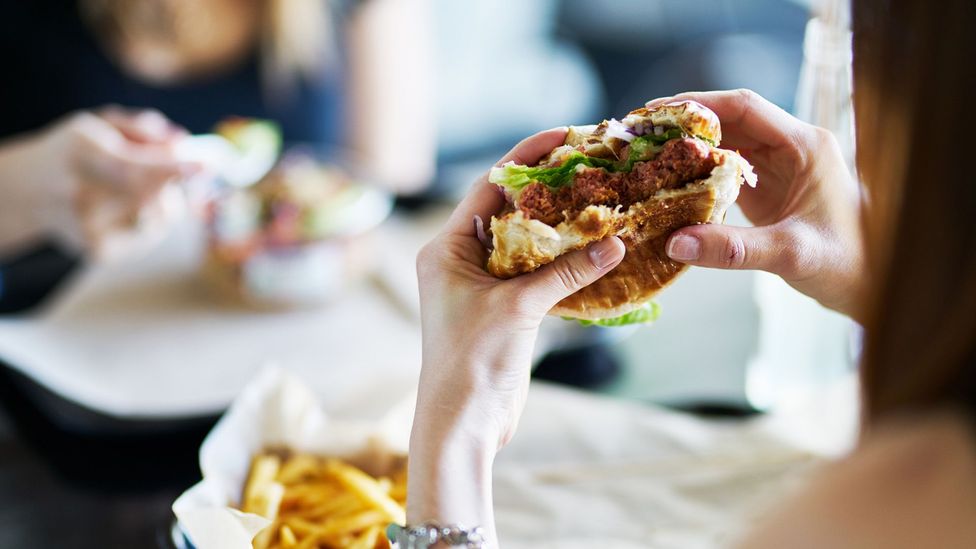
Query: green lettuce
515,177
646,314
646,147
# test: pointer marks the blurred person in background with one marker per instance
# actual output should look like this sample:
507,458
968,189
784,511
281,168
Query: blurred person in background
333,74
899,257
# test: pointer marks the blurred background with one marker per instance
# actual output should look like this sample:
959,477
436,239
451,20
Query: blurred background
133,315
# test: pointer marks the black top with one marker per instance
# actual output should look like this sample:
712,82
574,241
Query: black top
51,65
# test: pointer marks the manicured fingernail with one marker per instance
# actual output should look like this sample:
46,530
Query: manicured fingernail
683,247
605,253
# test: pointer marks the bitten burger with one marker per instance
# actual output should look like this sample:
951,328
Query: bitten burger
639,178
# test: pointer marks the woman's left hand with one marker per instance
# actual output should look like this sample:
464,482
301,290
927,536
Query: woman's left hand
478,338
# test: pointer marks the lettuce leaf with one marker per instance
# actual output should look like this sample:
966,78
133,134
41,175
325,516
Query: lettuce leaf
514,177
646,314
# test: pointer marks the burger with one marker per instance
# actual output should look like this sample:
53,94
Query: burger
640,178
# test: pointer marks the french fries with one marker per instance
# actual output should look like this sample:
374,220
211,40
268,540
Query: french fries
322,503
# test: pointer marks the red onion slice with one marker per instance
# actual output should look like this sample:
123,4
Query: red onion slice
479,229
616,128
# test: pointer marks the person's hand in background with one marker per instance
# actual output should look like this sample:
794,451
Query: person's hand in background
95,179
478,337
805,210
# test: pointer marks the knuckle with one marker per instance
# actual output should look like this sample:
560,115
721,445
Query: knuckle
149,116
426,258
733,252
796,251
808,142
571,275
747,95
78,123
822,137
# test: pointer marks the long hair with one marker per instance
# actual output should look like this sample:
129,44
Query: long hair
914,72
181,39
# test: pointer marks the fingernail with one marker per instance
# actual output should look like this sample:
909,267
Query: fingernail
683,247
605,253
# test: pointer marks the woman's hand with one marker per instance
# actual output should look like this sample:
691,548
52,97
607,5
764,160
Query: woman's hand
805,209
478,337
94,179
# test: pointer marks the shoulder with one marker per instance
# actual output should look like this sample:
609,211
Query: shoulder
908,485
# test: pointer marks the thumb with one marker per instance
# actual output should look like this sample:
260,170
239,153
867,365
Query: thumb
724,247
573,271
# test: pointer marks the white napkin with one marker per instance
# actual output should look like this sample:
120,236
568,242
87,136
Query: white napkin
275,409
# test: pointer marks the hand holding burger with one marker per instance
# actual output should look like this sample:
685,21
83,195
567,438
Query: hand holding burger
805,212
554,247
478,336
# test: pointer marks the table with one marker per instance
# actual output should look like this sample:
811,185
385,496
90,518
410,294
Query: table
146,340
93,450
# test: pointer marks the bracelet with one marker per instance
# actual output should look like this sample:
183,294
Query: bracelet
430,534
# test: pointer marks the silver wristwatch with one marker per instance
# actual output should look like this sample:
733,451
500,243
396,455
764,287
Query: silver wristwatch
430,534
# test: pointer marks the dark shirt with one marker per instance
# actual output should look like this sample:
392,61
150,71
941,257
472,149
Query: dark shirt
52,64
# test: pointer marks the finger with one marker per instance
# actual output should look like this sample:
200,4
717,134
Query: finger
531,149
570,273
487,199
147,126
137,171
655,103
725,247
749,121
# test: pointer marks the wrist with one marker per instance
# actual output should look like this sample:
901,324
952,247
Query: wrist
473,400
26,206
450,473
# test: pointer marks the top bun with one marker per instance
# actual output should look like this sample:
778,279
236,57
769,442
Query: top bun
691,117
602,141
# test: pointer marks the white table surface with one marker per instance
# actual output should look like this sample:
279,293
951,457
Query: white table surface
147,339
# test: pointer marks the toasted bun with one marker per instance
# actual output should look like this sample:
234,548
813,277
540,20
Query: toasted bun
597,140
694,118
522,245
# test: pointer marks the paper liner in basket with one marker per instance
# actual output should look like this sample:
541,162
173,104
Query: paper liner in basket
276,410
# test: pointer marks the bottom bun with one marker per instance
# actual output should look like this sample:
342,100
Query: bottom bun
522,245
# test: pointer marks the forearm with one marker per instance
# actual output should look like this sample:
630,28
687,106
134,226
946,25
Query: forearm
452,448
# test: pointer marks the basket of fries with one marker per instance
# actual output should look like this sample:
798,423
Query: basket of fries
278,472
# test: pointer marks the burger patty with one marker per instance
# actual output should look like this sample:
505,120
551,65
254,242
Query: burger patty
679,162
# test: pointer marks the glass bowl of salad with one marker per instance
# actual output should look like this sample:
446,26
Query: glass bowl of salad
296,238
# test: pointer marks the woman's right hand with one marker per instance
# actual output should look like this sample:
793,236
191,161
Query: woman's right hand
805,210
94,179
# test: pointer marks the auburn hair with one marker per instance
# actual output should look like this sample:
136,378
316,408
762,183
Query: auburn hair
914,68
